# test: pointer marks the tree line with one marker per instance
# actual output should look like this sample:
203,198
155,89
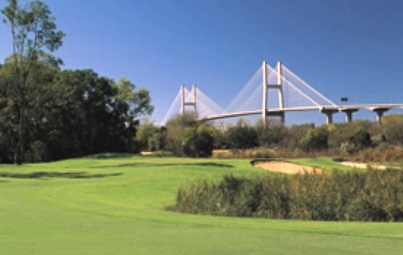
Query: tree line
185,136
47,113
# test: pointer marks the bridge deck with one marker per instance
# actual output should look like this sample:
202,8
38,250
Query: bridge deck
333,108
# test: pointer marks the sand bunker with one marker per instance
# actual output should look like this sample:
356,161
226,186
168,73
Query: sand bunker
285,167
361,165
365,166
290,168
146,153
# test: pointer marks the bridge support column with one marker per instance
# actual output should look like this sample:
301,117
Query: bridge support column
280,90
329,115
379,113
194,90
282,118
183,92
264,105
349,114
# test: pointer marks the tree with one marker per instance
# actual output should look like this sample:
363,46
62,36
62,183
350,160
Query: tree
219,137
361,139
38,96
175,130
86,103
294,134
157,141
139,100
34,37
198,141
187,137
148,136
242,136
71,114
315,139
272,135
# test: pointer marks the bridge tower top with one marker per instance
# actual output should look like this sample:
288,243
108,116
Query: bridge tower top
189,100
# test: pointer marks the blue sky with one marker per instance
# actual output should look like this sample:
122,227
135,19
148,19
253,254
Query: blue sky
351,48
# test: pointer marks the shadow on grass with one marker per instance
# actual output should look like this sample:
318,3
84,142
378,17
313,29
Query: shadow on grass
111,156
203,164
46,175
212,164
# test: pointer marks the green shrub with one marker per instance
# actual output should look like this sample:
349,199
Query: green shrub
242,136
314,140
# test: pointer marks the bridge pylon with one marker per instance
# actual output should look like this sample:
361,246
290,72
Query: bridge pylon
184,101
280,94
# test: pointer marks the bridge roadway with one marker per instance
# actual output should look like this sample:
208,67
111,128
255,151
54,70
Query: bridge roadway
329,110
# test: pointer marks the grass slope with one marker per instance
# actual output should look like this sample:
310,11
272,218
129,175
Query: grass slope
115,205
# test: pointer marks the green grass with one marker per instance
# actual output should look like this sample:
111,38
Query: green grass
328,164
325,163
116,206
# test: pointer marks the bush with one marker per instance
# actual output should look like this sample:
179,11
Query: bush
382,153
315,140
392,128
197,141
242,136
352,196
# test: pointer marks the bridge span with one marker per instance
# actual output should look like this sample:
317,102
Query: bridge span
379,109
272,92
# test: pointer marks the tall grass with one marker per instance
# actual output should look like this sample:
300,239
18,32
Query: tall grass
380,153
352,196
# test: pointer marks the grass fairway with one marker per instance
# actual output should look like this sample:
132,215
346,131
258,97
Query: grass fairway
116,206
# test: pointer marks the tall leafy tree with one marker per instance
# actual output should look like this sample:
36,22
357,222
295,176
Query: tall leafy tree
83,116
87,115
38,99
138,100
34,37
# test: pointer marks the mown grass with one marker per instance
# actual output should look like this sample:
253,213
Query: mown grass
116,205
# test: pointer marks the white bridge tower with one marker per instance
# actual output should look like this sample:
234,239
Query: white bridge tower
192,103
279,88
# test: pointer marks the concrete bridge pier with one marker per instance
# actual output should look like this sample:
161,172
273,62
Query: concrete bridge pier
349,114
329,114
282,118
379,113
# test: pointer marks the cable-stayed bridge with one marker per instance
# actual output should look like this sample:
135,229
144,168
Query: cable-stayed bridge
270,92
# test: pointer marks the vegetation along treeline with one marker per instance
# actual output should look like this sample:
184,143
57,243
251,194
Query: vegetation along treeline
47,113
361,140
